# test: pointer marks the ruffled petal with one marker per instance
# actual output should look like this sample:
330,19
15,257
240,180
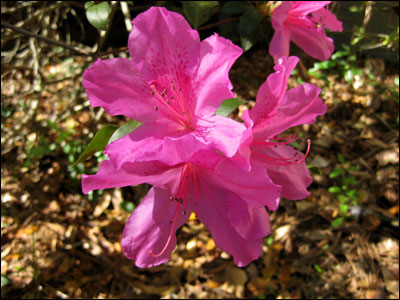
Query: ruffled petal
273,89
229,234
212,83
116,85
312,40
253,186
162,42
305,7
294,179
327,20
299,105
149,228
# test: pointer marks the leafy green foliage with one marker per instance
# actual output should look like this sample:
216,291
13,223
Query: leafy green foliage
229,106
199,12
234,7
97,14
124,130
346,194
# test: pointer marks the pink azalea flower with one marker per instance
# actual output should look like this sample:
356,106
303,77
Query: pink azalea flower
276,110
304,23
229,201
173,84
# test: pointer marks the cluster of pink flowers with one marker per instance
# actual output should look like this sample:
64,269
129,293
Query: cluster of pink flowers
224,171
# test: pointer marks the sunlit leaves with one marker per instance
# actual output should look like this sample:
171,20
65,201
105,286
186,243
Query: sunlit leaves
97,14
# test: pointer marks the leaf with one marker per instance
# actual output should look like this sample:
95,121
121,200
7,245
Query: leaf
337,222
4,281
317,268
228,106
341,158
98,143
124,130
249,21
97,14
343,209
334,190
336,172
234,7
199,12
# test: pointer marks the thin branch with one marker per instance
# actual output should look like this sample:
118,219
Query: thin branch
218,23
40,37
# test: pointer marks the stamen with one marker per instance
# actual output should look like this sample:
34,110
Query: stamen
282,161
181,197
290,139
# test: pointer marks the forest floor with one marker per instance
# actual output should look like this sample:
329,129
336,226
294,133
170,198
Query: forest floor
340,242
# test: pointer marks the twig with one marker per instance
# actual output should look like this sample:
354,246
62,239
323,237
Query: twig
218,23
39,37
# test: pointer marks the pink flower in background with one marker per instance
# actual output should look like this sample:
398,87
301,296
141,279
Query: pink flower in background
276,110
229,201
304,23
173,84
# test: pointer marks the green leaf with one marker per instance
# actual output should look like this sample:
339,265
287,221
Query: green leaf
342,198
349,180
336,172
199,12
314,170
127,206
334,190
124,130
4,280
343,209
97,14
249,21
228,106
317,268
234,7
337,222
98,143
341,158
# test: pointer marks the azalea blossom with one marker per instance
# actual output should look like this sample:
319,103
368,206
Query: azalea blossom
304,23
276,110
173,84
228,200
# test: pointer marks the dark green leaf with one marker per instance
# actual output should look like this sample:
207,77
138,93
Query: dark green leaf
124,130
249,21
234,7
314,170
341,158
199,12
127,206
98,143
97,14
229,106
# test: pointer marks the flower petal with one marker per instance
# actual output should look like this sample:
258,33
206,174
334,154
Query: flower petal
294,179
327,20
162,42
273,89
116,85
217,56
306,7
312,40
299,105
149,227
252,186
212,211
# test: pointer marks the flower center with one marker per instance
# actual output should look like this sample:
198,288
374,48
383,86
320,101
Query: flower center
181,197
278,161
171,103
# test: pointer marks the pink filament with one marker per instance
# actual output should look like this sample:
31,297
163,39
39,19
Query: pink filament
282,161
181,197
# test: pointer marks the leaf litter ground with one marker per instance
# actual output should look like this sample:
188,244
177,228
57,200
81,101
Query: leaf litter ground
58,243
